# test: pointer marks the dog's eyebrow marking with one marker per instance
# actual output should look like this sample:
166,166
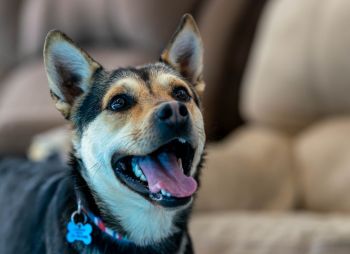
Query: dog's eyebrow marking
167,79
120,86
172,81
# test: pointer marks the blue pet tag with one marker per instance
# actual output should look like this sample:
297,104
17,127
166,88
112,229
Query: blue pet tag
79,231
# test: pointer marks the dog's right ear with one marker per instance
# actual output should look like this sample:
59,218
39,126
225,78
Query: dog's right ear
69,70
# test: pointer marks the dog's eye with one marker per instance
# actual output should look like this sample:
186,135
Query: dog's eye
181,94
120,102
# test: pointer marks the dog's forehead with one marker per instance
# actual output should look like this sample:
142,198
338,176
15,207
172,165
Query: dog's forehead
149,79
145,75
134,82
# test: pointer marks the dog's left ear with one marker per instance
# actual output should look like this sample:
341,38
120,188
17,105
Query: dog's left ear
69,70
185,52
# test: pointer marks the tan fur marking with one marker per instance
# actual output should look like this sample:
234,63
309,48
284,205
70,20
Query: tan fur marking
168,82
166,79
200,87
121,86
64,108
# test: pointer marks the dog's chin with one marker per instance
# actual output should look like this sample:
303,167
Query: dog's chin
161,176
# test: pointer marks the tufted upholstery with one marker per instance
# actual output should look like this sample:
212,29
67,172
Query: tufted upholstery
292,154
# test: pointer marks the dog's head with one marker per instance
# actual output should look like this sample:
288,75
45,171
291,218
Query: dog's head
138,131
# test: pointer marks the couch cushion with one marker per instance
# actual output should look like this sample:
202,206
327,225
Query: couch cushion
147,24
25,105
84,20
227,28
263,233
322,154
299,70
25,108
252,169
9,11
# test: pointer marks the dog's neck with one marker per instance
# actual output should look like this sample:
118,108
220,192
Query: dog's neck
178,242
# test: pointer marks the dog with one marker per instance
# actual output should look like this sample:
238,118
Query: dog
137,150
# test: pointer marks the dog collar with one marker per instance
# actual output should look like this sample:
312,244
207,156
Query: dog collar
81,231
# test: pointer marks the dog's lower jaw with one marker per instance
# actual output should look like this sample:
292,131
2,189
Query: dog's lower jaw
144,223
177,241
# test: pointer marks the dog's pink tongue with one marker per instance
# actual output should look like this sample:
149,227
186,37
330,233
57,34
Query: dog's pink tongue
164,172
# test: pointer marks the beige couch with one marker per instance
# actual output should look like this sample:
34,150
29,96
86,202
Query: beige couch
289,165
279,183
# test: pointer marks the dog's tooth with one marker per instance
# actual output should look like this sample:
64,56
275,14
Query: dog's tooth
136,168
156,196
138,172
133,165
143,178
182,140
165,193
180,164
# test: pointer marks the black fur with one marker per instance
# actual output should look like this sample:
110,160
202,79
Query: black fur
37,199
36,202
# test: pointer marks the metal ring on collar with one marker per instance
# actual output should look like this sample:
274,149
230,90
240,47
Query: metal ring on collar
78,213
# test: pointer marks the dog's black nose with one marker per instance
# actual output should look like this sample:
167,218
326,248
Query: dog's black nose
173,114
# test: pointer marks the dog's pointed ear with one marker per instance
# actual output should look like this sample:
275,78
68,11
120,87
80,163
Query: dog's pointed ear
69,70
185,52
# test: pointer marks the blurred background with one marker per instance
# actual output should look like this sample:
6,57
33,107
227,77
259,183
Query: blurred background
277,107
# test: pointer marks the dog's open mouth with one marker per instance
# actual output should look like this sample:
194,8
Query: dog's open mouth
161,176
